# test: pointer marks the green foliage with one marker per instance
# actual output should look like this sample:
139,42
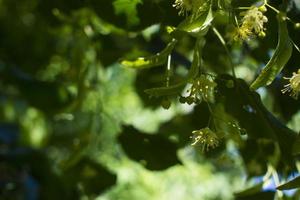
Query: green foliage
76,122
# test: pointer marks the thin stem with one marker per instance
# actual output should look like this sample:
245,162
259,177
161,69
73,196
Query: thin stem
226,49
168,71
277,11
211,114
199,61
236,21
295,45
274,9
243,8
209,120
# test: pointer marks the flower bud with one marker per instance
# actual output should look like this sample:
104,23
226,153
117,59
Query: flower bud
297,26
262,8
262,34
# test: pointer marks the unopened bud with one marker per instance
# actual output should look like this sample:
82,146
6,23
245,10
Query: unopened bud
297,26
262,9
262,34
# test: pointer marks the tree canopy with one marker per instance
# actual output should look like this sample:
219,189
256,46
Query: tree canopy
149,99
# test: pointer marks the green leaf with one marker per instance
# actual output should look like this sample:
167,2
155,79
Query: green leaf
166,91
267,195
127,7
249,191
151,61
292,184
296,146
197,26
280,57
193,72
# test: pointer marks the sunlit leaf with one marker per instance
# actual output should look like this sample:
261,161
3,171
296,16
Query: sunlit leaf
279,59
199,26
151,61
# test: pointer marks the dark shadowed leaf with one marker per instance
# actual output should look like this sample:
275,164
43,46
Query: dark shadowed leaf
39,166
246,106
49,96
93,177
249,191
292,184
258,196
257,154
296,146
154,151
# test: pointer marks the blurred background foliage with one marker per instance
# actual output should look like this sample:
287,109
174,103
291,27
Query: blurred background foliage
76,125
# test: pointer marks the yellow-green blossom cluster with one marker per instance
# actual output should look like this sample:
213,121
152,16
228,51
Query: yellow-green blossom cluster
202,89
252,24
206,138
293,87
